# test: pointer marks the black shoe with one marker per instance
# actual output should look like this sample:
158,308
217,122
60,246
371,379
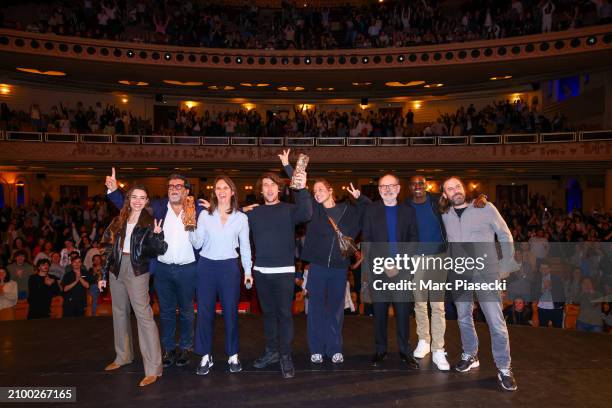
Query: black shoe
204,366
266,359
235,367
378,359
182,358
506,380
168,358
466,363
410,361
286,365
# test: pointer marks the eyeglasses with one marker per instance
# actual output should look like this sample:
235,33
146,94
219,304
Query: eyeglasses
387,187
177,187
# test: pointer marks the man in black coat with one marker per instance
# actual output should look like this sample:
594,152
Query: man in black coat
388,221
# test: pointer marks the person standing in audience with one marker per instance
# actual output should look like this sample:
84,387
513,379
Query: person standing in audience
220,231
130,241
74,285
21,271
96,274
272,227
42,288
8,295
550,293
174,271
56,270
590,315
478,228
391,222
327,272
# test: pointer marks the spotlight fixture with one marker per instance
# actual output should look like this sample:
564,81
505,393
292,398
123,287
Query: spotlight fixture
365,60
238,60
401,58
307,61
130,53
167,56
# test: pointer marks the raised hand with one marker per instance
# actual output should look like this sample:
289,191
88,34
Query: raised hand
284,157
300,178
157,226
353,191
249,207
111,181
203,203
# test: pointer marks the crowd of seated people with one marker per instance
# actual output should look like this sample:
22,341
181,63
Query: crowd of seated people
247,26
304,121
44,245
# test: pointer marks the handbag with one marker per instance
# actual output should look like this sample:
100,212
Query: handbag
346,243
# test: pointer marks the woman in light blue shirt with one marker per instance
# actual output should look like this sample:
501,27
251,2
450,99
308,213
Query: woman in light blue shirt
220,231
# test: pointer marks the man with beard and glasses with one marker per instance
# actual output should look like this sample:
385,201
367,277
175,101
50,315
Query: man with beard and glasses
472,231
393,223
432,239
174,271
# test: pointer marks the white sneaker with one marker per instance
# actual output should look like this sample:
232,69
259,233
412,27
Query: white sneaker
422,349
316,358
338,358
439,359
233,359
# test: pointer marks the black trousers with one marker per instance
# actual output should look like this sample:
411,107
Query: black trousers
275,291
73,308
402,323
555,316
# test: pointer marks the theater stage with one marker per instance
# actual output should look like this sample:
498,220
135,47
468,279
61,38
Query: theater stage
553,368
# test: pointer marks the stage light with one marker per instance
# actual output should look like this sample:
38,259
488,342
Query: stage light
365,60
307,61
592,40
401,58
130,53
5,89
167,56
238,60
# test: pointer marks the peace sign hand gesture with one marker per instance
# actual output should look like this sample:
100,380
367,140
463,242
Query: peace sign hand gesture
158,226
284,157
111,181
353,191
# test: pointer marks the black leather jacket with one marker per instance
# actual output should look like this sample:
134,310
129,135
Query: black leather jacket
144,245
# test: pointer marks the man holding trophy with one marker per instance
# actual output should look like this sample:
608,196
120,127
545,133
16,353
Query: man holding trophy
175,271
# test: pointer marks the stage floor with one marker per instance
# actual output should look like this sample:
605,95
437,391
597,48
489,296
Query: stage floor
552,367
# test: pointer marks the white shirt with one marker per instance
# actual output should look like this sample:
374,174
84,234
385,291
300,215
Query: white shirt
8,298
179,250
219,242
128,237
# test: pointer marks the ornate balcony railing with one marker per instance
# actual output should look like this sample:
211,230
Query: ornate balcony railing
474,140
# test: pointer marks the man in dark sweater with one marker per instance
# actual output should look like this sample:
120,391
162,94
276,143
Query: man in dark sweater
41,289
272,228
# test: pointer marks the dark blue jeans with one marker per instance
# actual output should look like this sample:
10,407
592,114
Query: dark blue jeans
326,288
175,285
221,278
593,328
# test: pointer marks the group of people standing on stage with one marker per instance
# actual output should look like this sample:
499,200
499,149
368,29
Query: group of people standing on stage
204,263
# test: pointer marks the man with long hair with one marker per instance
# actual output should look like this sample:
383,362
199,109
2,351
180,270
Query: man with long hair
472,231
175,271
273,230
